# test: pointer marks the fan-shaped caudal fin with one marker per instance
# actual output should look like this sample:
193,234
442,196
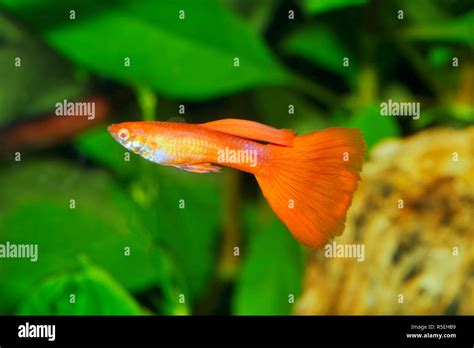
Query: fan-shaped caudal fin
310,185
253,130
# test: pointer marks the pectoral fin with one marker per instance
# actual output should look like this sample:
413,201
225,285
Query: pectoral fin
200,168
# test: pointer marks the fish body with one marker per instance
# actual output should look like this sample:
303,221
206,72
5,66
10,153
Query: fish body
308,180
187,146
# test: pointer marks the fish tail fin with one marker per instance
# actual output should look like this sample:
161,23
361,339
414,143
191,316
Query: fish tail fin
310,185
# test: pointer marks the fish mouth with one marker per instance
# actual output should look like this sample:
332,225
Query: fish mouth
113,133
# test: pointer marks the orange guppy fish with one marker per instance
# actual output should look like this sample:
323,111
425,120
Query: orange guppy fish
308,180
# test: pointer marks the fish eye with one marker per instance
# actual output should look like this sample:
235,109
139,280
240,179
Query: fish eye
123,134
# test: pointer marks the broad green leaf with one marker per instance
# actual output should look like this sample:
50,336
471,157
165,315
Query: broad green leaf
272,270
88,291
374,126
319,6
320,46
36,208
189,58
33,78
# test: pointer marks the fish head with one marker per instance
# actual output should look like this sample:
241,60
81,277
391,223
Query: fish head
131,135
143,138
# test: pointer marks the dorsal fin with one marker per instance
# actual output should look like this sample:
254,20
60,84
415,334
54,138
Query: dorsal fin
253,130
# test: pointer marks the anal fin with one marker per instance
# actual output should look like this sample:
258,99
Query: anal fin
200,168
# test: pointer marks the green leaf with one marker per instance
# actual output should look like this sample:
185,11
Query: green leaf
319,6
189,58
38,83
320,46
36,209
459,30
272,270
374,126
94,293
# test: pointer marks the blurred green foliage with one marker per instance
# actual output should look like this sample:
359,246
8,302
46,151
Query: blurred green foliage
36,210
271,275
290,74
186,49
373,126
318,6
29,91
328,53
97,294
